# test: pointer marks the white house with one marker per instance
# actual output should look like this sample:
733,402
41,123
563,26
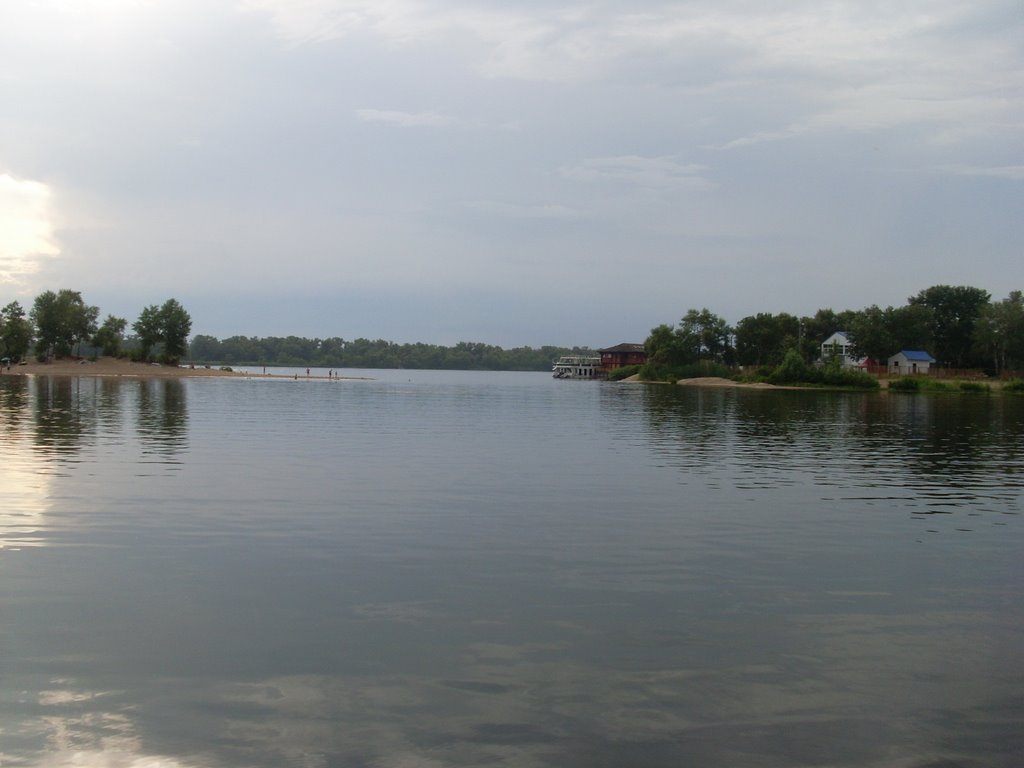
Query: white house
840,345
910,361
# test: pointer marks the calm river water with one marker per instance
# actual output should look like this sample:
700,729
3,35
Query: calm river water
468,569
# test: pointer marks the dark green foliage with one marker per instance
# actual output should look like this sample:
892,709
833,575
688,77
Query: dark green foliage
975,386
336,352
623,372
673,373
167,326
110,336
905,384
955,310
920,384
999,333
763,339
15,332
793,370
62,320
1014,385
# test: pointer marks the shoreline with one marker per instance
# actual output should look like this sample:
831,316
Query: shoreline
118,368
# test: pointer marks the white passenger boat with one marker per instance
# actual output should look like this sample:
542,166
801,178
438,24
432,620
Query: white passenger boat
577,367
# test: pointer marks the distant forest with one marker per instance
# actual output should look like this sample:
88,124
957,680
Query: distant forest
363,353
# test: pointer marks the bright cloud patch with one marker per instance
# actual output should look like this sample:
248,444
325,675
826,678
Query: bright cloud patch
26,228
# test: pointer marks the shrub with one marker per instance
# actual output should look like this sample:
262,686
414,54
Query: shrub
849,377
905,384
623,373
792,369
1013,385
918,384
974,386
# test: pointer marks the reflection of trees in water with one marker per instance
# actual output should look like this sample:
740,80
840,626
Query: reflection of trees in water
957,439
162,416
14,400
67,414
872,440
64,413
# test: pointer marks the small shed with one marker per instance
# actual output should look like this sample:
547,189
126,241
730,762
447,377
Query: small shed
910,361
622,354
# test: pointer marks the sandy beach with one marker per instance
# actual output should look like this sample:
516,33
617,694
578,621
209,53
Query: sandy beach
106,366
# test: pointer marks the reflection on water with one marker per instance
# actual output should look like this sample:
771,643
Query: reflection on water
453,569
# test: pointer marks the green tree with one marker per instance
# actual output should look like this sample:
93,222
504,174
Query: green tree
15,332
664,347
871,329
999,332
206,349
814,330
110,335
147,330
703,335
175,326
62,320
166,326
763,339
955,309
911,327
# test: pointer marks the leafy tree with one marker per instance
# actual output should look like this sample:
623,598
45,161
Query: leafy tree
205,348
703,336
175,326
999,332
911,327
871,329
664,347
818,328
147,330
168,325
15,332
763,339
955,310
62,320
110,335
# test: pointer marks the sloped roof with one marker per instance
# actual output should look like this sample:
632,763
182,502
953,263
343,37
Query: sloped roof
624,348
917,355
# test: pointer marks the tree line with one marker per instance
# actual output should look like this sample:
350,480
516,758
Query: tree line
960,326
60,324
336,352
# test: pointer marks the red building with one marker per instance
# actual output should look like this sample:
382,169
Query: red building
622,354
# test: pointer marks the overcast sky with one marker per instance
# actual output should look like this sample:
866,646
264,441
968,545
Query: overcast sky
508,172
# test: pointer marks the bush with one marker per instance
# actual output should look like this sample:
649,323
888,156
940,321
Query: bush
654,372
1013,385
849,377
974,386
905,385
623,373
918,384
791,370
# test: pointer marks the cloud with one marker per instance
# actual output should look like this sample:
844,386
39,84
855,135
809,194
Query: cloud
514,211
1011,172
404,119
26,227
647,172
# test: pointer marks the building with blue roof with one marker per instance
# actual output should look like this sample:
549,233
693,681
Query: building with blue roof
910,361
